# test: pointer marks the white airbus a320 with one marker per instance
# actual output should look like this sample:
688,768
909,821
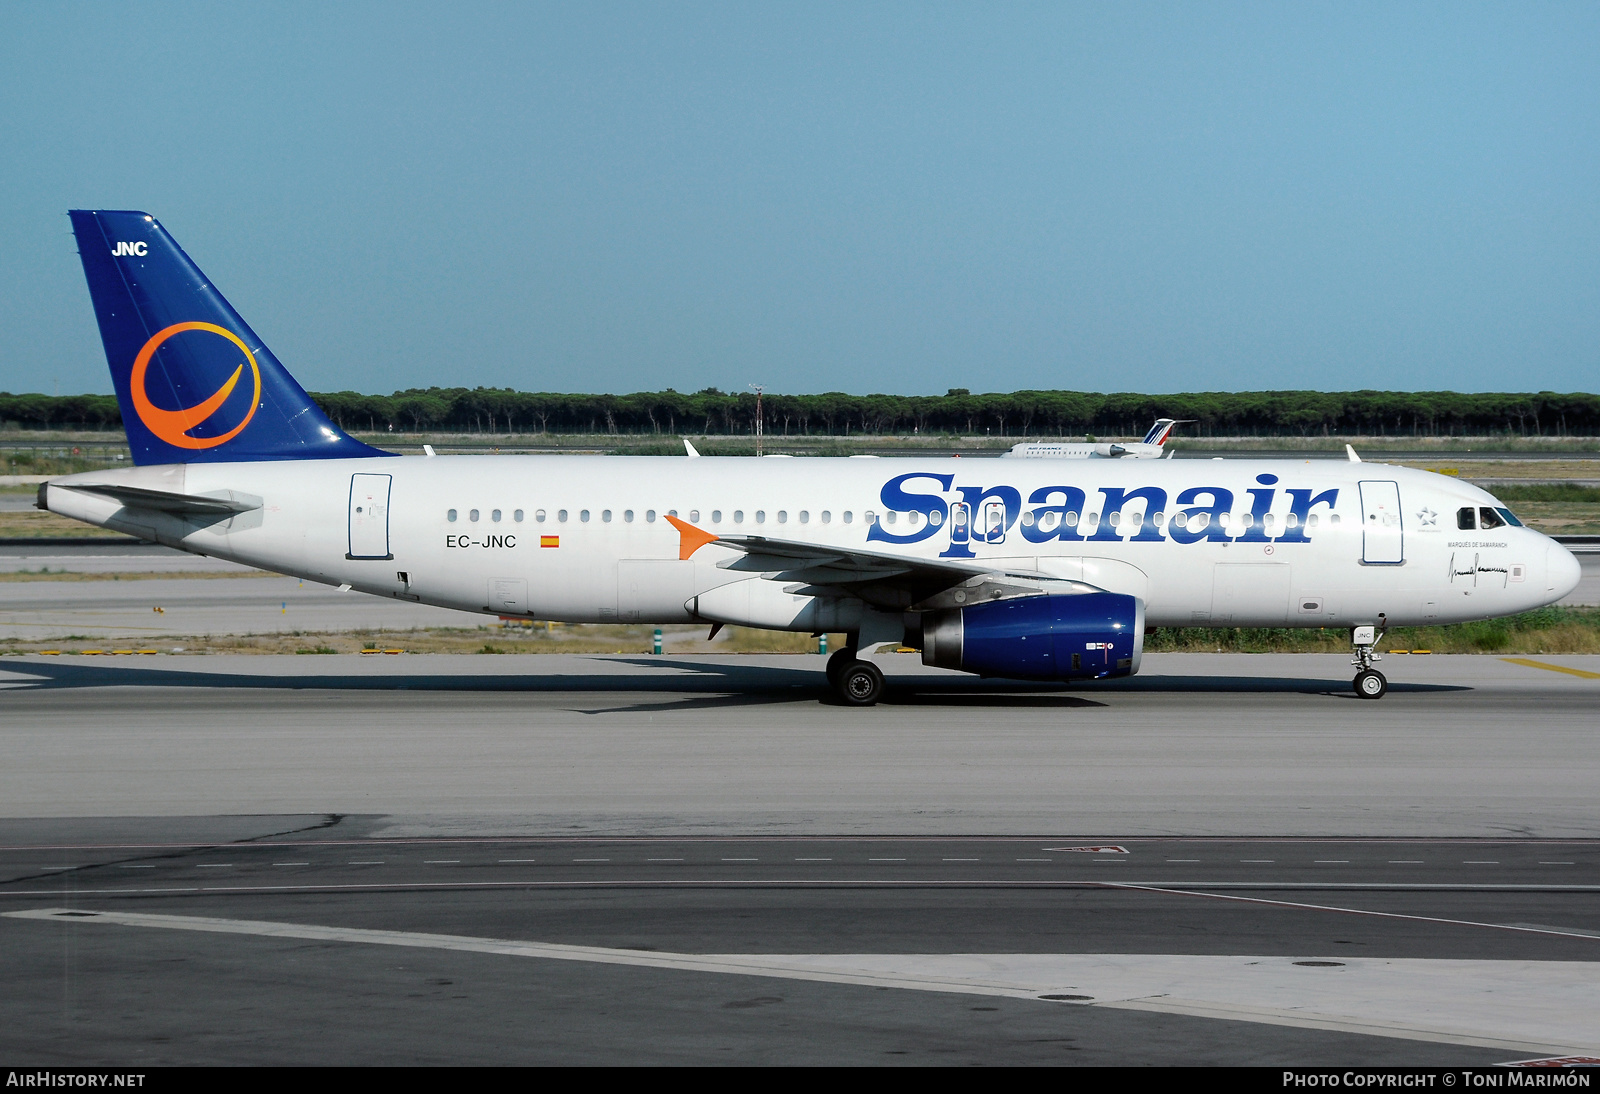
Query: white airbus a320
1027,568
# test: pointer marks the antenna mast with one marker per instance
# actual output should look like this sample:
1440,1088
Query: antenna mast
758,389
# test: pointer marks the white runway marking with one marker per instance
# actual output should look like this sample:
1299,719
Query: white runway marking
1549,1007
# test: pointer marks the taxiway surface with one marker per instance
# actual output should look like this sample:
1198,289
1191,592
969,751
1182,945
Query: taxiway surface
558,858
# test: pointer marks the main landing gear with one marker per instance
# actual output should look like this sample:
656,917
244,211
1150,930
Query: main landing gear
1369,682
857,683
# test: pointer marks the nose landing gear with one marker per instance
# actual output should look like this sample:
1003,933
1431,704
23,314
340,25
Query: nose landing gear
1369,682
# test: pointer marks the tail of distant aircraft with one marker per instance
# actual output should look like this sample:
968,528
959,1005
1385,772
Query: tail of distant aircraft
194,382
1162,430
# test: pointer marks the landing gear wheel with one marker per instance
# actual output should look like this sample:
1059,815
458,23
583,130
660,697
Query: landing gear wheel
1370,684
837,663
860,684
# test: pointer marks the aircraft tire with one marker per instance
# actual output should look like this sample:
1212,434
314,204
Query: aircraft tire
860,684
1371,684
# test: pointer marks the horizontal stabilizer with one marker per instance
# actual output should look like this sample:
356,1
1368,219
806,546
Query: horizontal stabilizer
222,502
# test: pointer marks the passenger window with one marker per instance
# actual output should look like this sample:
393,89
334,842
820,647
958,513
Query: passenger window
761,516
450,516
538,515
649,516
891,515
805,516
936,517
1292,521
694,516
583,514
738,516
1027,518
716,516
783,516
1311,521
827,517
1334,519
1158,518
605,515
1465,519
473,516
1488,518
495,516
870,517
849,516
627,515
1072,520
562,516
517,516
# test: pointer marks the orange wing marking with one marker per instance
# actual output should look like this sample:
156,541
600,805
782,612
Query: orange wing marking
690,538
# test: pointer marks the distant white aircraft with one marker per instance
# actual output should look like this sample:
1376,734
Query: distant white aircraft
1151,448
1038,569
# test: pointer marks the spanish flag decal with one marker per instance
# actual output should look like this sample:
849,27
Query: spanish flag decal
549,541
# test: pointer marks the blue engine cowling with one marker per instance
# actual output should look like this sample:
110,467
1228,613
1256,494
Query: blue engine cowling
1080,636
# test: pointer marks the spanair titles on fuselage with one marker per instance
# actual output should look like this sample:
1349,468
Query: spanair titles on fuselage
973,515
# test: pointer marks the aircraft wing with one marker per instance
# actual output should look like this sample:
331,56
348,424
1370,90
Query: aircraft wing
880,578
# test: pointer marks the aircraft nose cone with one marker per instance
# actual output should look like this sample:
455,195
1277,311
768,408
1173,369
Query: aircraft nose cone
1562,570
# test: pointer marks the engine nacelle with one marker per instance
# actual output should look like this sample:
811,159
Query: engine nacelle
1080,636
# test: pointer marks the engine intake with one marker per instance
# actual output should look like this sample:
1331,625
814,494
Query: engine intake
1081,636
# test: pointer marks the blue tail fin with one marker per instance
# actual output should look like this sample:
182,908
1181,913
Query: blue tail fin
194,382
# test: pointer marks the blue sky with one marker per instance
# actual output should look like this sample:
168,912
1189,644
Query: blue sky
862,197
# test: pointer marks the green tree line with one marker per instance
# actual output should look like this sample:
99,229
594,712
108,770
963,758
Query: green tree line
834,413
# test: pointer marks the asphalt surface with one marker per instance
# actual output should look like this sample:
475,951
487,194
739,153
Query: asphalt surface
320,941
566,859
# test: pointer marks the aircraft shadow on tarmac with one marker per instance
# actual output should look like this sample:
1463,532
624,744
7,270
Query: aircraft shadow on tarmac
709,682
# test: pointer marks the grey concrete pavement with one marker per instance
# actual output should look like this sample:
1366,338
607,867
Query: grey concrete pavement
1198,744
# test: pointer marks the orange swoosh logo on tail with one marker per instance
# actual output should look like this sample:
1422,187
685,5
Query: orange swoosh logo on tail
172,426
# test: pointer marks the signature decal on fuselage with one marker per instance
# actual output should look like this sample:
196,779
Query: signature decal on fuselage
1475,568
975,515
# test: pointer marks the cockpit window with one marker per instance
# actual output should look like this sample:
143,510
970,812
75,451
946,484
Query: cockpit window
1488,518
1510,518
1466,519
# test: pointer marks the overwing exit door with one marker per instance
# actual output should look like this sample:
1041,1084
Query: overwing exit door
1382,527
992,528
369,516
